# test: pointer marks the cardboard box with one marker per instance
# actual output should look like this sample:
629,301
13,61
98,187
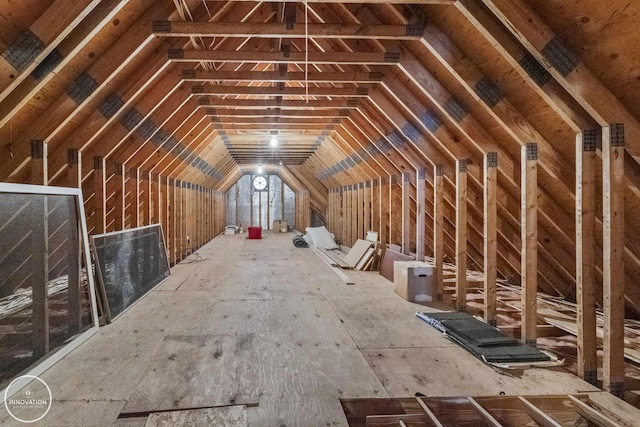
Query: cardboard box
280,226
414,281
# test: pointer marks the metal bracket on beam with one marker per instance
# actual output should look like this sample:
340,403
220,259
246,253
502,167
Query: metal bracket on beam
161,26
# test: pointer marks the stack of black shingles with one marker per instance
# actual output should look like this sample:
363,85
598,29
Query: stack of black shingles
483,340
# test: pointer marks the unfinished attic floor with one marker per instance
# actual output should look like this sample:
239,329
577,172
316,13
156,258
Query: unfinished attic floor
262,322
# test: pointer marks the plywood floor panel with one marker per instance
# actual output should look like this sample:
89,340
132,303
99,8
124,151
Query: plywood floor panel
452,371
260,321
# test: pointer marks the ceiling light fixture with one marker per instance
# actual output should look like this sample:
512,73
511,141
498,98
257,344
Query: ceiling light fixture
259,168
274,141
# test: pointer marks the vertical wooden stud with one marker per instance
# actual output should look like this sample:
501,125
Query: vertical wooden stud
146,197
406,213
613,274
354,213
74,170
421,212
586,144
40,279
155,199
461,234
39,173
367,207
375,207
74,263
529,252
134,197
171,241
490,236
438,228
99,202
118,197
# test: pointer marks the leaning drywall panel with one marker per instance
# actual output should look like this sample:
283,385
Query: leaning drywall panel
43,280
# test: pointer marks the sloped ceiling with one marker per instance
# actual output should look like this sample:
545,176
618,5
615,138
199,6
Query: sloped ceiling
194,89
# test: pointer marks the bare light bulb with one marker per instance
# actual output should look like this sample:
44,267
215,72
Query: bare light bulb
259,169
274,141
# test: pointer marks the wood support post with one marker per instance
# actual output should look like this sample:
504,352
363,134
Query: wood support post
179,220
360,212
155,198
99,202
39,174
40,279
185,219
354,213
341,218
406,213
529,236
461,234
367,207
145,197
376,207
613,275
490,242
171,224
74,169
119,195
385,216
438,228
74,263
421,212
586,144
134,197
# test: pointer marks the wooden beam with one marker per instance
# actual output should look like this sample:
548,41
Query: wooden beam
367,207
406,213
39,160
36,43
490,236
438,228
316,58
99,201
74,168
421,213
529,237
461,234
539,416
172,226
133,188
74,267
146,197
276,112
40,278
283,30
592,415
276,76
613,278
368,1
333,92
567,69
586,144
119,196
341,103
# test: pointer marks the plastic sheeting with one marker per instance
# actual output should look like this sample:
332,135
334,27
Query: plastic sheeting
247,207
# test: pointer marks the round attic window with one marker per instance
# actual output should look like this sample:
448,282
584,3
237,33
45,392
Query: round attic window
259,182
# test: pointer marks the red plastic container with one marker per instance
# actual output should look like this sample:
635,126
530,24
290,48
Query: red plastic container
254,232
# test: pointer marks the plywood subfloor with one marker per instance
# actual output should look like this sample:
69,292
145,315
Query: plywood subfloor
262,322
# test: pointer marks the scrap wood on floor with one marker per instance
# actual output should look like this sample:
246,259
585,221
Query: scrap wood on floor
597,408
